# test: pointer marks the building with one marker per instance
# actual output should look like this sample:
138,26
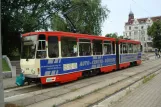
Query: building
136,29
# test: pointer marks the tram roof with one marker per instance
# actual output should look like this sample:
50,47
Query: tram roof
69,34
129,41
78,35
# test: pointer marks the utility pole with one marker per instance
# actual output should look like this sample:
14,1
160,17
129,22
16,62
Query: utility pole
1,77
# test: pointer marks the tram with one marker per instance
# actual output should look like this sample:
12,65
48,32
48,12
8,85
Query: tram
60,57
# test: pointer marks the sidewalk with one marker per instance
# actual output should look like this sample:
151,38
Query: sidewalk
147,95
9,82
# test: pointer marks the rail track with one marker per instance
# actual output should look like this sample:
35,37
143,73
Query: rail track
31,93
36,87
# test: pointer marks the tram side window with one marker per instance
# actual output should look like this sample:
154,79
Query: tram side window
107,47
130,48
139,48
97,47
125,48
41,51
53,49
135,48
84,47
68,47
113,47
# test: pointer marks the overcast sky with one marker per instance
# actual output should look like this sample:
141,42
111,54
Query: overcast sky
120,10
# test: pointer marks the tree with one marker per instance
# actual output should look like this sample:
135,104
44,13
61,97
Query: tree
121,37
155,32
87,16
20,16
112,35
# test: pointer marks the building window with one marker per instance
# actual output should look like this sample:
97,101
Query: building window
142,38
135,32
136,27
129,27
149,38
144,44
142,27
129,33
143,32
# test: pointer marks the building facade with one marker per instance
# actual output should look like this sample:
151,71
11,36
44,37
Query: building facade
136,29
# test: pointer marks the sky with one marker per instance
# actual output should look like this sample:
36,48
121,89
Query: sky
119,11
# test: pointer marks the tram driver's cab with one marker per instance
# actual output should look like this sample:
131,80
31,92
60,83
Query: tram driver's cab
33,48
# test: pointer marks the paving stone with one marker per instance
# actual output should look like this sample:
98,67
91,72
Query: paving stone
147,95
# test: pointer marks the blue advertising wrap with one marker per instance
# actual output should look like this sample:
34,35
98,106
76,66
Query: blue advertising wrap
129,57
75,64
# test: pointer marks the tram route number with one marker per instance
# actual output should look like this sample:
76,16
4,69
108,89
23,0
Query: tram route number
51,79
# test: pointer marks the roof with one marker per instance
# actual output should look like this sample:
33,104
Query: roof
77,35
69,34
143,20
129,41
131,13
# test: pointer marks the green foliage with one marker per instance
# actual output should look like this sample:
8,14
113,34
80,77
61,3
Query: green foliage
146,79
121,37
5,66
54,105
155,32
87,16
78,97
25,15
112,35
21,16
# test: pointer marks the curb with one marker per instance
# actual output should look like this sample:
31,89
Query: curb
107,102
7,74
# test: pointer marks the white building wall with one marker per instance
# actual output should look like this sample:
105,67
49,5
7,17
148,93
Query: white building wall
138,32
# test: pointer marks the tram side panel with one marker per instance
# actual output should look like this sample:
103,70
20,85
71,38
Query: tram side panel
127,58
68,69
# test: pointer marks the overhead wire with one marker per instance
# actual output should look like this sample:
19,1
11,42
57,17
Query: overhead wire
142,8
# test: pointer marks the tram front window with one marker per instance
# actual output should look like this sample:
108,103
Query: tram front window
28,47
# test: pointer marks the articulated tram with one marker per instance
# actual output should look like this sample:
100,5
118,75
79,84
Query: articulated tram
59,57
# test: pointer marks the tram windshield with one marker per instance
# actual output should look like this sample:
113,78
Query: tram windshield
28,47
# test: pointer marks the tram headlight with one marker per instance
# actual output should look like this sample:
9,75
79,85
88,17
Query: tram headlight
33,71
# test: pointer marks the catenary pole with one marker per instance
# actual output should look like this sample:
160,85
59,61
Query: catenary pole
1,77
